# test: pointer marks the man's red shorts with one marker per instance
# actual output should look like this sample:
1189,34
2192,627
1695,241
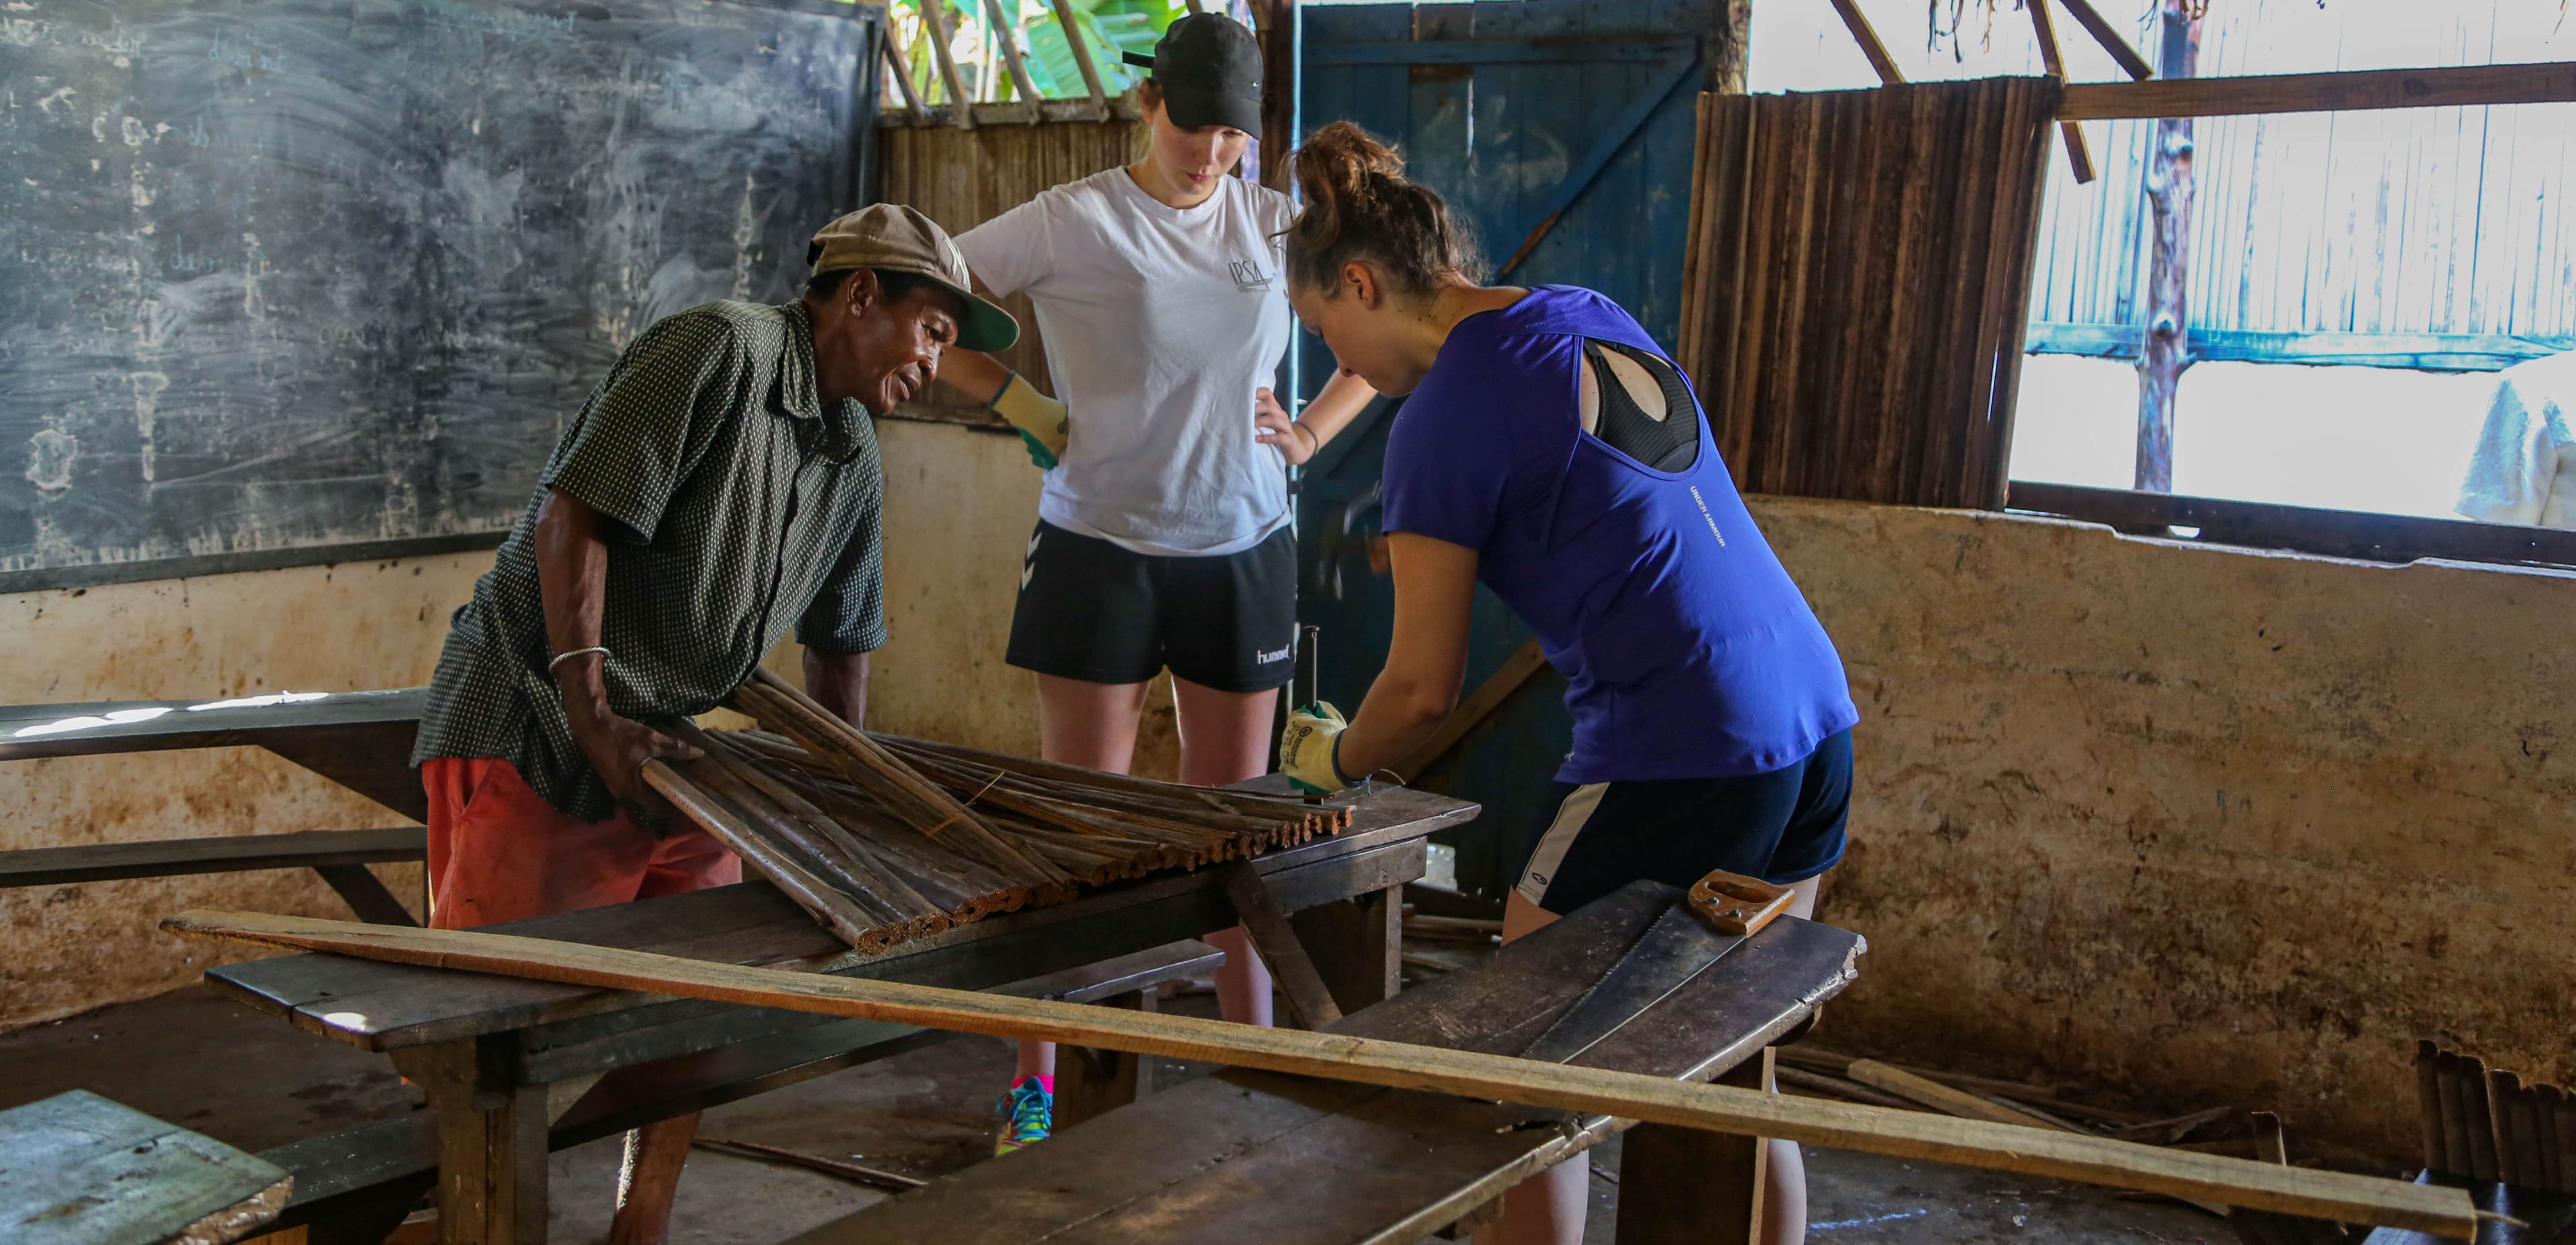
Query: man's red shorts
499,852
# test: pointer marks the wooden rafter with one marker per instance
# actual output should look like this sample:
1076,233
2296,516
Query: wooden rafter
1081,48
900,59
2090,19
934,24
2079,159
1861,33
1010,41
2467,87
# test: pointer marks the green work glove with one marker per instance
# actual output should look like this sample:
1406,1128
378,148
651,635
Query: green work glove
1309,749
1041,420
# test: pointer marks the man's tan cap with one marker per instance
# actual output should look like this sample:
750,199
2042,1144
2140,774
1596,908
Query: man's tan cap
890,237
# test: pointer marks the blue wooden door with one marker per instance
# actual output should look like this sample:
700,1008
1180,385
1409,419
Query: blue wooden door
1562,131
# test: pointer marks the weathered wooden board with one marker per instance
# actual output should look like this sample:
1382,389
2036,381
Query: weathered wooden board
78,1169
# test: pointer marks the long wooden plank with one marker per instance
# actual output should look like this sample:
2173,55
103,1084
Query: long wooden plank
2466,87
2104,33
2331,1195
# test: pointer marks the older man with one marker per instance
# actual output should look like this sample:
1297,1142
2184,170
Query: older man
721,484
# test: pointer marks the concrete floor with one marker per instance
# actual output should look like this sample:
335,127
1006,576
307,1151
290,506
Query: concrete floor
252,1081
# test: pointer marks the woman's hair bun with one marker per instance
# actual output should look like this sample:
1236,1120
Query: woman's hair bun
1360,206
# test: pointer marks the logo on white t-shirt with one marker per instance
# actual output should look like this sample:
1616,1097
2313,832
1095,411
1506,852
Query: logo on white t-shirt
1248,276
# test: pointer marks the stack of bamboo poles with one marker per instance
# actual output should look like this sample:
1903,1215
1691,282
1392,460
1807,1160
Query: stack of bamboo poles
885,839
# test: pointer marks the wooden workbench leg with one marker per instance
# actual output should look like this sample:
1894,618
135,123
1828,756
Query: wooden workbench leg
1685,1184
1090,1081
1357,945
491,1142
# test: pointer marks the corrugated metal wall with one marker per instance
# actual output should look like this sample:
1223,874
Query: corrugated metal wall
1856,286
2419,221
962,178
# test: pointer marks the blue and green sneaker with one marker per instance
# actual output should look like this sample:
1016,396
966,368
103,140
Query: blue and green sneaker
1028,1114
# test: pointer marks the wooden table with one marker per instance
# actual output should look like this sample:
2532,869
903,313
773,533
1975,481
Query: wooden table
78,1169
1258,1156
500,1057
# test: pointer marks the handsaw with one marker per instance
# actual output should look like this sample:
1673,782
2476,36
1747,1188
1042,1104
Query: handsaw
1718,913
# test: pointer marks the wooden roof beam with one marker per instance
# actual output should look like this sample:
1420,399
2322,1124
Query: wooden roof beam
2470,86
2079,159
1888,73
2090,19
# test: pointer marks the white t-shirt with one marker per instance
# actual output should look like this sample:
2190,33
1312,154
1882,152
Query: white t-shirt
2524,469
1160,322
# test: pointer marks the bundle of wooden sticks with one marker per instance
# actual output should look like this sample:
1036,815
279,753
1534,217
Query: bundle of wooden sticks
885,839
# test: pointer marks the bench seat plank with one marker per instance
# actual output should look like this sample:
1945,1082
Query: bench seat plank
303,849
1227,1157
79,1169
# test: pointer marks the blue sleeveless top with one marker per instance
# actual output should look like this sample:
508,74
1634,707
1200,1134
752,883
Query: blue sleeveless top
1686,649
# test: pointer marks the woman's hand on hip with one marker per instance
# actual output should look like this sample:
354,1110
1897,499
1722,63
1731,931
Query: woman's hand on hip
1294,441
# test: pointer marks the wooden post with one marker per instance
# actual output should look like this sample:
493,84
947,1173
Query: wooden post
492,1141
1310,1001
2165,347
1680,1184
1357,945
1093,1080
1277,23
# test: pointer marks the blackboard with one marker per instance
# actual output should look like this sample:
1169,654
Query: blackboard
300,280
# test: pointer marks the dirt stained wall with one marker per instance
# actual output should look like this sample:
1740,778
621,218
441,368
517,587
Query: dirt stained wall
2230,827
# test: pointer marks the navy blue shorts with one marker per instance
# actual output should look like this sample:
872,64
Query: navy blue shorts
1784,826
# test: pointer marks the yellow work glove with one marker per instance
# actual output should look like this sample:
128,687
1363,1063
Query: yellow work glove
1308,748
1040,419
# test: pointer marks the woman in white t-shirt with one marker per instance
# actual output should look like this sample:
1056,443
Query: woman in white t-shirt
1162,539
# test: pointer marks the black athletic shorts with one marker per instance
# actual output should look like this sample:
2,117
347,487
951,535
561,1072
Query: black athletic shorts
1784,826
1092,610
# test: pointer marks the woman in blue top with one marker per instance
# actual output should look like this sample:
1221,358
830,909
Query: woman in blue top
1548,449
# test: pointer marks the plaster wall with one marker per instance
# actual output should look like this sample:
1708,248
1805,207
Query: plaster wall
2224,827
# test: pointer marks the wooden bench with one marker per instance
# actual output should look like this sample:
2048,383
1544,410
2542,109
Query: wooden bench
78,1169
360,740
340,856
353,1187
1244,1156
503,1060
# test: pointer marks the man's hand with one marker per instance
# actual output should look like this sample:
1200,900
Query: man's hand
618,748
1306,749
1294,441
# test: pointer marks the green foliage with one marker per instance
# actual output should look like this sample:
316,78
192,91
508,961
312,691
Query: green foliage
1107,27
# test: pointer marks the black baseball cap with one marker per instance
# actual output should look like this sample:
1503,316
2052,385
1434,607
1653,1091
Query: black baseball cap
1209,67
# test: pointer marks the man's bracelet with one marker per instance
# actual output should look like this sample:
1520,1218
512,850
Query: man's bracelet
1311,438
561,658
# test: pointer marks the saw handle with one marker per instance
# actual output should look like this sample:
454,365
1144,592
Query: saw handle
1736,904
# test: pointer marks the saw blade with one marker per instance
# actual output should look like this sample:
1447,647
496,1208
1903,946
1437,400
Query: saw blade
1673,951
